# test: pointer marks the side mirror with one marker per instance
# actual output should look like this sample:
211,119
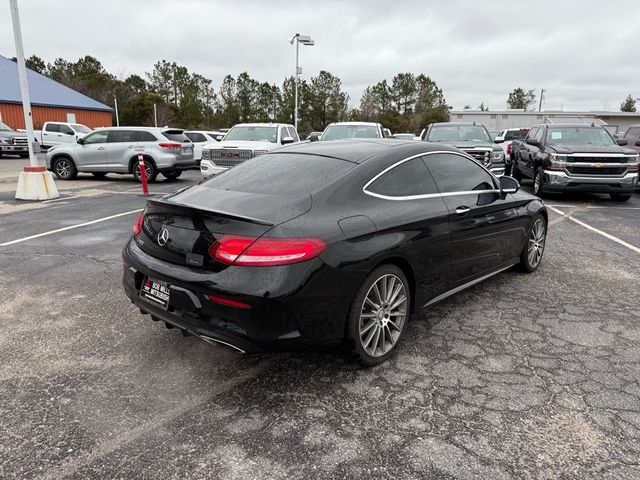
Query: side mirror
80,141
314,137
508,185
498,139
533,141
286,140
622,142
638,143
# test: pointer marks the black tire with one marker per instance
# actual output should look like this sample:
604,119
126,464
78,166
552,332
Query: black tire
149,166
620,197
172,174
64,168
530,262
385,323
515,173
538,183
99,174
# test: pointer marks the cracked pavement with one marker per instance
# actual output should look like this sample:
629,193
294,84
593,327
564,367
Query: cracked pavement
522,376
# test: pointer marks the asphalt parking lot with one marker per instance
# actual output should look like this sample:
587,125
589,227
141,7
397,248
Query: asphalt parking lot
522,376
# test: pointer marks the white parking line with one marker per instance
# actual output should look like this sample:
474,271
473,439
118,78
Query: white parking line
593,229
71,227
593,206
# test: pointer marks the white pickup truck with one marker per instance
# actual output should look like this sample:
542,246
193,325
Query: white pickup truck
60,133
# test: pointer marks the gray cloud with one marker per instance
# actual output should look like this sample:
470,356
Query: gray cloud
582,52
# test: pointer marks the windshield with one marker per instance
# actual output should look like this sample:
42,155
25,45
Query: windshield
5,127
80,128
340,132
253,134
516,134
579,136
458,133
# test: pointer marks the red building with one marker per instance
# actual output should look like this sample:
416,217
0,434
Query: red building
50,101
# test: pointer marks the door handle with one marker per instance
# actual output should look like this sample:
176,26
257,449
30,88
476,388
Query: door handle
100,148
462,210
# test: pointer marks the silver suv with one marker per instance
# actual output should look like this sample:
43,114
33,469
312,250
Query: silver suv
115,150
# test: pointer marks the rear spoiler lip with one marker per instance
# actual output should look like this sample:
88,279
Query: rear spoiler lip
258,221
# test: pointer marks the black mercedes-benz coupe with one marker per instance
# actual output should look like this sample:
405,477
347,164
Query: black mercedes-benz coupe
327,242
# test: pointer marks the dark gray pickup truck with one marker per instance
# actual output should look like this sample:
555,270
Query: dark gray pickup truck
576,158
12,142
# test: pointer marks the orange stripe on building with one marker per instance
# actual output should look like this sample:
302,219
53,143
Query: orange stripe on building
13,116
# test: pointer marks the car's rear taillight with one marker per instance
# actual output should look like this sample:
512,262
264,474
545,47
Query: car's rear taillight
264,252
509,149
137,227
170,146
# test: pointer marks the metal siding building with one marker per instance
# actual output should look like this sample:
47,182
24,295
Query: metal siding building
50,101
501,119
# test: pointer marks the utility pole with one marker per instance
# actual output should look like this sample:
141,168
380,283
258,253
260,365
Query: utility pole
155,115
115,103
541,97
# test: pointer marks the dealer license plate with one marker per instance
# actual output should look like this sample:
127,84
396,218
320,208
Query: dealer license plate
155,291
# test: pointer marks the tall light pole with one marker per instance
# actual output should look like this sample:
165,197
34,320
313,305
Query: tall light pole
305,40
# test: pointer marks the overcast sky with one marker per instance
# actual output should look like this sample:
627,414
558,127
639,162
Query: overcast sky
584,53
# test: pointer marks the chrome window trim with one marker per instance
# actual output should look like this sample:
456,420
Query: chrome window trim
430,195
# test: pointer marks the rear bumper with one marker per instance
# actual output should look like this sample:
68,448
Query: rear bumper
277,319
556,181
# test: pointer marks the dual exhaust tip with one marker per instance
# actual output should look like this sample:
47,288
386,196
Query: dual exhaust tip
210,340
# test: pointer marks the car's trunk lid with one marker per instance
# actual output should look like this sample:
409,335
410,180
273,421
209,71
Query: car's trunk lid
182,227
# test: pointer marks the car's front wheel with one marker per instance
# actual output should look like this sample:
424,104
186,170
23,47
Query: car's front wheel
64,168
533,250
379,313
538,183
620,197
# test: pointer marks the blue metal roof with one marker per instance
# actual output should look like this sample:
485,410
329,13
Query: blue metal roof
43,91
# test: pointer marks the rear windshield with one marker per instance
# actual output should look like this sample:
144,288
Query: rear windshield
80,128
175,136
458,133
281,174
516,134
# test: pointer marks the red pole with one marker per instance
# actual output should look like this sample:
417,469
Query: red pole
143,174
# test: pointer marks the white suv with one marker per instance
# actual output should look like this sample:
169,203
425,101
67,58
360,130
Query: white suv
245,141
115,150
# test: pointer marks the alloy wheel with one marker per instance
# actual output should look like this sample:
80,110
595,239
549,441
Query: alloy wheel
536,183
147,170
536,242
382,316
63,168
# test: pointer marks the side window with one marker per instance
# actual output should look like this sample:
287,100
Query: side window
407,179
143,136
294,134
455,173
532,132
122,136
96,137
196,137
539,134
632,134
53,127
283,133
67,130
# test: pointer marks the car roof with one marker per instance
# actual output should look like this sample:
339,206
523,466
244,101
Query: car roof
471,124
360,150
262,125
570,125
354,123
146,129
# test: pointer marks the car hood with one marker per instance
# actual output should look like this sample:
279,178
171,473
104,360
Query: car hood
465,145
567,149
243,145
7,134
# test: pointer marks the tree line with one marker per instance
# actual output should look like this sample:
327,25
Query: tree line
407,103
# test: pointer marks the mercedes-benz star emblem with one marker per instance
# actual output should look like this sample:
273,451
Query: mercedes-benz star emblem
163,237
